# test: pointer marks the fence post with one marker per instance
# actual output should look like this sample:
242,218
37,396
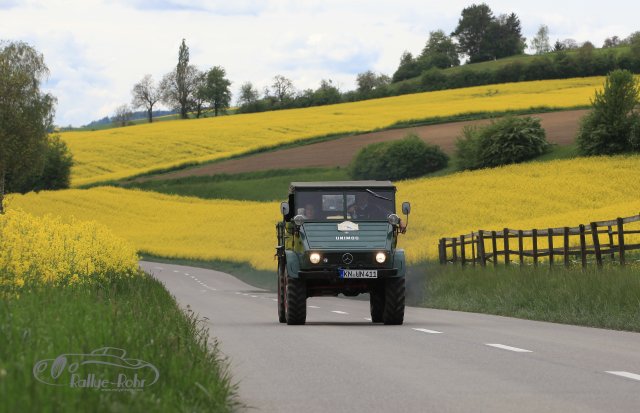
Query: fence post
610,230
565,249
473,248
443,251
551,254
583,247
454,250
463,256
535,247
507,259
596,243
494,247
520,247
621,241
481,254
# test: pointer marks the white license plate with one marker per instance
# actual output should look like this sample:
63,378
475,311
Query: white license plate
358,273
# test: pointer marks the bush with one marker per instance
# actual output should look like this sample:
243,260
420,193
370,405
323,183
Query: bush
409,157
505,141
607,129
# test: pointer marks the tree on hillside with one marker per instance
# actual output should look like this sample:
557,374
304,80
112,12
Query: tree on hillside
283,89
122,115
199,98
327,94
249,95
440,52
611,125
179,94
504,37
369,81
26,114
178,86
613,41
146,95
472,30
407,69
540,43
217,89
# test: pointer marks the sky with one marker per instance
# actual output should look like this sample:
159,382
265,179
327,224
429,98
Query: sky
97,50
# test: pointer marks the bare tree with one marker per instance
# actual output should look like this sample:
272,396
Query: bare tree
540,43
122,115
282,88
145,94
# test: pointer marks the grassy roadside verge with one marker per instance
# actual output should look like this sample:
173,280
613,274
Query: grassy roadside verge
607,298
136,315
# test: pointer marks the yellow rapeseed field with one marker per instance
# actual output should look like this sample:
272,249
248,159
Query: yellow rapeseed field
46,250
550,194
121,152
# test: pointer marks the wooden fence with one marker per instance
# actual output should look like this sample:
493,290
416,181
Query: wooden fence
478,248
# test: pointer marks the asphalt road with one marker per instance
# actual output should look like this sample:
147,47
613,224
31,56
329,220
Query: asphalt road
438,361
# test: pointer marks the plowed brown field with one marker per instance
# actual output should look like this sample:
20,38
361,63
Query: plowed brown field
561,128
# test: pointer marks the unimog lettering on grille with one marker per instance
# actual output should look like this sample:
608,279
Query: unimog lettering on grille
341,238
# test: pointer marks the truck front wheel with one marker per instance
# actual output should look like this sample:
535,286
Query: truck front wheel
376,303
295,300
394,301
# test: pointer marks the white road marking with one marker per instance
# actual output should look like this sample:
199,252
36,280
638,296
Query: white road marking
238,292
176,271
367,318
503,347
245,294
424,330
254,296
274,299
313,306
625,374
339,312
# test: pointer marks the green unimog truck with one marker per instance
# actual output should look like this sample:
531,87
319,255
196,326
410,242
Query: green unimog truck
340,238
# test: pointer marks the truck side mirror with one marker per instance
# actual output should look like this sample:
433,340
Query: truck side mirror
406,208
284,208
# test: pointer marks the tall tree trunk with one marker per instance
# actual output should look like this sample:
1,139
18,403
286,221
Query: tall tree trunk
150,114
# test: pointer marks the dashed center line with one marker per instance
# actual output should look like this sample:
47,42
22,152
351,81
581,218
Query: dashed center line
313,306
625,374
254,296
503,347
424,330
339,312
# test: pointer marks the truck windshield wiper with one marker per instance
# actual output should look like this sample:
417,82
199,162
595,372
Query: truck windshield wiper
377,195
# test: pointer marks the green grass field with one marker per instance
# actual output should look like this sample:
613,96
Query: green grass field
137,315
607,298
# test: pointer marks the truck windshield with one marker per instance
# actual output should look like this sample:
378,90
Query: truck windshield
361,204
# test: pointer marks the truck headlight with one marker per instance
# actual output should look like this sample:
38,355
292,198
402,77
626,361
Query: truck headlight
394,219
314,258
381,257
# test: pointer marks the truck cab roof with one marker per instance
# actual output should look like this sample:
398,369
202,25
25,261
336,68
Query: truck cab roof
294,186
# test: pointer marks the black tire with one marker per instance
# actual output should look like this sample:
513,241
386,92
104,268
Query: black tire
376,303
282,317
295,300
394,301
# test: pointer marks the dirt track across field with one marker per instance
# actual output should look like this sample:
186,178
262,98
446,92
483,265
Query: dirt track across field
561,128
